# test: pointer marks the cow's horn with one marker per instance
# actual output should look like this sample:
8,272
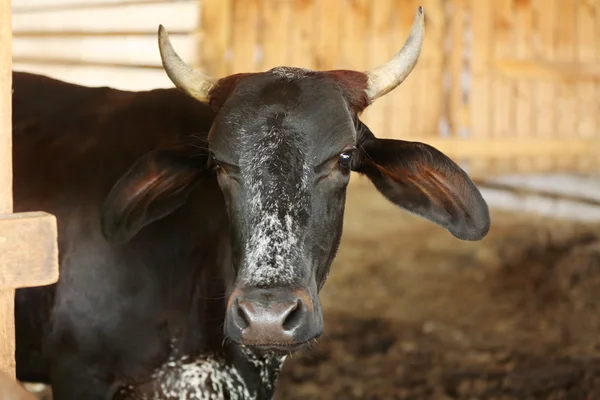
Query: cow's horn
193,82
388,76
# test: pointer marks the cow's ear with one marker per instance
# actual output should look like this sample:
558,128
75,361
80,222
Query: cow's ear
153,187
424,181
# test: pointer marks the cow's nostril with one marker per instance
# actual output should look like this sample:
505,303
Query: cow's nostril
292,320
243,320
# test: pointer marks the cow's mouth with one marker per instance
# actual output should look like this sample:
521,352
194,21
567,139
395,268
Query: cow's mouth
278,349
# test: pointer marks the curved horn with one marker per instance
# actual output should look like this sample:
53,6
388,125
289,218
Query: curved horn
388,76
193,82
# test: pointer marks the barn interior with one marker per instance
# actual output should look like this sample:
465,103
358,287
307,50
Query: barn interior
509,89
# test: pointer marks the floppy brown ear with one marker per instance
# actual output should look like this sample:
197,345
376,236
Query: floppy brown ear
424,181
154,186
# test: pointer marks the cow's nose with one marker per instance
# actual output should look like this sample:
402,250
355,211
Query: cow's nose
272,318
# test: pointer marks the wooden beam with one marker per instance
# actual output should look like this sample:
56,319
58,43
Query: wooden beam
29,250
151,33
546,70
506,148
7,328
84,63
38,6
5,108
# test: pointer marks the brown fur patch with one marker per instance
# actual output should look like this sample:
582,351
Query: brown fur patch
354,84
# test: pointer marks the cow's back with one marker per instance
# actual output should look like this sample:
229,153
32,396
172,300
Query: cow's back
70,145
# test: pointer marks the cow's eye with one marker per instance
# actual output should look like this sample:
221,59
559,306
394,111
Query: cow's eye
345,159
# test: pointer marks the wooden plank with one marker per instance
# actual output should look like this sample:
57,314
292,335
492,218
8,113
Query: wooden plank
404,97
116,50
480,112
503,112
245,36
585,14
429,73
328,37
275,33
565,73
7,328
83,63
355,25
567,95
5,108
302,33
595,163
354,37
586,91
379,47
82,33
485,148
120,78
481,51
524,126
174,16
215,52
25,6
29,250
458,113
545,112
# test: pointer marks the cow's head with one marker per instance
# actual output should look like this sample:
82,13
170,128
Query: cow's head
283,145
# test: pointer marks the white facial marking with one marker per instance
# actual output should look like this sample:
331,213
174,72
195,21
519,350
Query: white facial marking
274,242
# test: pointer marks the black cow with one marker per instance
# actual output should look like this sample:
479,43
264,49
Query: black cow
197,227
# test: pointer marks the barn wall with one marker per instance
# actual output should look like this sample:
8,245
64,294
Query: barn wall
503,85
102,42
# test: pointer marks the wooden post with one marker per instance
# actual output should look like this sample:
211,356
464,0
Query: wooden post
7,331
28,241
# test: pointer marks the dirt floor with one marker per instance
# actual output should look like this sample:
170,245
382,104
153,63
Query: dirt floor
413,313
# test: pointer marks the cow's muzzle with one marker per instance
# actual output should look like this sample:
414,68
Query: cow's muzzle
275,320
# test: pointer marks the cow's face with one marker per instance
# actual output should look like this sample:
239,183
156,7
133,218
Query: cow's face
283,145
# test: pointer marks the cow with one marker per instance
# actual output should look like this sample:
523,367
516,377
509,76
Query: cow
197,224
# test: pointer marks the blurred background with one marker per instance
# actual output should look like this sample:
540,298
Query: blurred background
510,89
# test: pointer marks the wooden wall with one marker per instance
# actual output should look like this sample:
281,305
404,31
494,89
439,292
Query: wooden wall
502,85
103,42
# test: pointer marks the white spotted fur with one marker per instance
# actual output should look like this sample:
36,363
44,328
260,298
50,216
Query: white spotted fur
208,378
290,72
201,379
